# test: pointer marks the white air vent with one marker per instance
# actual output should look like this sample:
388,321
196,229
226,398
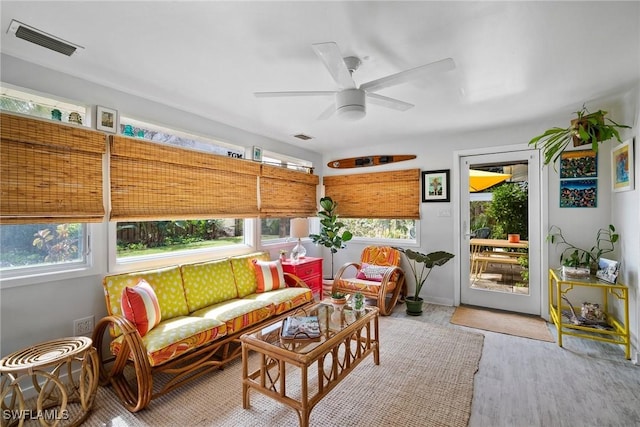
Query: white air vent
33,35
303,137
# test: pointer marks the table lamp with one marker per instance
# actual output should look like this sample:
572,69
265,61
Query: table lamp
299,229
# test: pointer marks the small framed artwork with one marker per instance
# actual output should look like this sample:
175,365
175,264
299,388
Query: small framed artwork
579,164
435,186
578,193
106,119
608,270
257,154
622,166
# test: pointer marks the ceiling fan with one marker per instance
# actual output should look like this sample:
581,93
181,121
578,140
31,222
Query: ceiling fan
350,100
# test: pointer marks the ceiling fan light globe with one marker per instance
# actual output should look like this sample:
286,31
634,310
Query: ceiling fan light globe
350,104
352,113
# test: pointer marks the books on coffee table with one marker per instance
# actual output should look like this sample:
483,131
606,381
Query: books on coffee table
306,328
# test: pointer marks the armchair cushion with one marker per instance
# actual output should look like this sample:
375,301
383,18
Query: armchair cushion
371,272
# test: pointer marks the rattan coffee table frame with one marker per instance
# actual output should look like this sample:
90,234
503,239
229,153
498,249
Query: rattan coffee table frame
343,347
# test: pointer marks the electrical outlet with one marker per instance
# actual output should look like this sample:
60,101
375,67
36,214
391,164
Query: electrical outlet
83,326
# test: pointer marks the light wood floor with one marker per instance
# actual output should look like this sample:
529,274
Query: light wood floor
523,382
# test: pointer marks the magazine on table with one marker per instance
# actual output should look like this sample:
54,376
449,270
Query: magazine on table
301,327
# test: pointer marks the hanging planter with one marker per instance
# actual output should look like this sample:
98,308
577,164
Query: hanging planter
586,128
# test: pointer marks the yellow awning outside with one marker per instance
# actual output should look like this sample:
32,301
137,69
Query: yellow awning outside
479,180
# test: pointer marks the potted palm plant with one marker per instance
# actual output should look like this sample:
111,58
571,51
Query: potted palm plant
421,266
332,234
586,128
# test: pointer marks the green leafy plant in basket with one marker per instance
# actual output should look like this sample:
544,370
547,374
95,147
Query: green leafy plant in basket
586,128
332,233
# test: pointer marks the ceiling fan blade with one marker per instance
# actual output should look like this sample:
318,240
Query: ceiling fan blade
330,55
292,93
328,112
385,101
404,76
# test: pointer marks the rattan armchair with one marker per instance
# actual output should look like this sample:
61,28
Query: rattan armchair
377,276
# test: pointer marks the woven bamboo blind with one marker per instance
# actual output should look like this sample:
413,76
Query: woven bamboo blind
49,172
381,195
285,193
151,181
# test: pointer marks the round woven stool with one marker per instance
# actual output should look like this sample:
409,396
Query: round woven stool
50,368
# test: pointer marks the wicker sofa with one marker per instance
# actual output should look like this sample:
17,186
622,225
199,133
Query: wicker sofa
204,307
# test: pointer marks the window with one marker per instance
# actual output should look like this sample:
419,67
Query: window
32,104
162,135
31,248
276,230
155,238
41,245
385,229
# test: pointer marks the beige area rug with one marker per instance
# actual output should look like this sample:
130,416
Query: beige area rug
520,325
425,378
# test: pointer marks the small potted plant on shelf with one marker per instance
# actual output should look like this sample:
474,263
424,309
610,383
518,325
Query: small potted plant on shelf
338,299
586,128
578,262
421,266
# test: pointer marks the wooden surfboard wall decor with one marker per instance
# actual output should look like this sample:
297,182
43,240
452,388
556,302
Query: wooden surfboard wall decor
359,162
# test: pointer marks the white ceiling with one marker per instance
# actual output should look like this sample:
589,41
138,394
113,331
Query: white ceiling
514,60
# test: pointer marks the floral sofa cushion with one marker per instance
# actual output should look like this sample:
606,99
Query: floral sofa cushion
237,314
174,337
284,299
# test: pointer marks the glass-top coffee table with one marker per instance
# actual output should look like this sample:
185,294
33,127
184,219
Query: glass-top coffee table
347,337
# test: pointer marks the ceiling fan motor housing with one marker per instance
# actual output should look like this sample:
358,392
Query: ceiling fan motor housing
350,104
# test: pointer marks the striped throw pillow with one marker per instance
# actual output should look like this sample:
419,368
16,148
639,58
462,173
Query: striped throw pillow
140,306
270,275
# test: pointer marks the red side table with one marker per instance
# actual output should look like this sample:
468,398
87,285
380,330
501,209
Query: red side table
308,269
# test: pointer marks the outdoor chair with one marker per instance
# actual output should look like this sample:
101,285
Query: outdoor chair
378,276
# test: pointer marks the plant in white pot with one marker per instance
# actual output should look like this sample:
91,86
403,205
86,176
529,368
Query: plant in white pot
421,266
582,262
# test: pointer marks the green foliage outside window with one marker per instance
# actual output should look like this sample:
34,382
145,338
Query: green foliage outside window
510,211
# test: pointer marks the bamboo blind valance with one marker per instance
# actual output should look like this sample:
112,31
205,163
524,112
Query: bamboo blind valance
381,195
151,181
50,172
287,193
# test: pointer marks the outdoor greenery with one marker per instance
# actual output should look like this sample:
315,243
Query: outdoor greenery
39,244
509,211
382,228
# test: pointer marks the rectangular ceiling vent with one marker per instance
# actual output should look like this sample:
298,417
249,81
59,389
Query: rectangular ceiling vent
33,35
303,137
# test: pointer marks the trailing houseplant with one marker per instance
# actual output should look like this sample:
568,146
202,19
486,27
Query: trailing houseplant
332,233
586,128
575,257
421,266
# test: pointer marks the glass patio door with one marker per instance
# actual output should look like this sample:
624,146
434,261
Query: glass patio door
500,195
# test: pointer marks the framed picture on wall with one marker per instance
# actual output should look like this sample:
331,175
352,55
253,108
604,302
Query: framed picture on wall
622,166
256,155
579,164
578,193
435,186
106,119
